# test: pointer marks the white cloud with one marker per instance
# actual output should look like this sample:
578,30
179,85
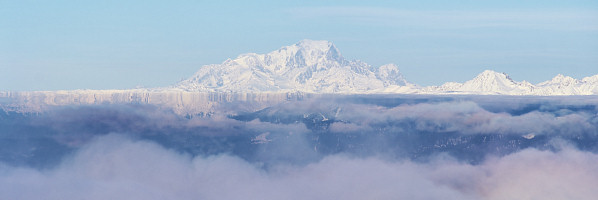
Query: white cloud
455,19
114,167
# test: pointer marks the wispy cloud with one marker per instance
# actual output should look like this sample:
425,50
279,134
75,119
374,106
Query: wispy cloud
442,19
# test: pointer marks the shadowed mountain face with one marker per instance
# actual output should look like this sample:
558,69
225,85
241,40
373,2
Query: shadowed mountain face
468,128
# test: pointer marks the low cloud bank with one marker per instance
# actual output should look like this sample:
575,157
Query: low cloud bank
301,132
116,167
337,148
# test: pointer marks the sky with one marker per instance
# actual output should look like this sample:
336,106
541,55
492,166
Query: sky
63,45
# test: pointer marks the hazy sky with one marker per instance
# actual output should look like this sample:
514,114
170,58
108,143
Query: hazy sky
51,45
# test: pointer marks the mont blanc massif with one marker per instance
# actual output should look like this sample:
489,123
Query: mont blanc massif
318,67
306,68
303,122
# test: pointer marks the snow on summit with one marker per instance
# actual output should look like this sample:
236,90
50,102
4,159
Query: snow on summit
488,82
491,82
307,66
317,66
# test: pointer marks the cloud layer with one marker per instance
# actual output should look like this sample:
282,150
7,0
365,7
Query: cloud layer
348,147
116,167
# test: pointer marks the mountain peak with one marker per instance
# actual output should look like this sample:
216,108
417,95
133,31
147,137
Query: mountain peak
391,75
318,48
488,81
316,66
309,65
591,79
321,45
490,74
560,80
489,77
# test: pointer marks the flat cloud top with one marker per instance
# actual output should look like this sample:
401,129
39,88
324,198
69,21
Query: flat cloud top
355,147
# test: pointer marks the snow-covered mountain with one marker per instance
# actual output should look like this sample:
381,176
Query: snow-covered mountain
491,82
318,67
292,72
565,85
487,82
303,70
308,66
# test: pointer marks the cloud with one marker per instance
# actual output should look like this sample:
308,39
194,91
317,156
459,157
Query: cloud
464,117
464,19
568,174
303,132
117,167
321,148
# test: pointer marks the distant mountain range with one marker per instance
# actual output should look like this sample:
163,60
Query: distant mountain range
491,82
308,66
318,67
304,70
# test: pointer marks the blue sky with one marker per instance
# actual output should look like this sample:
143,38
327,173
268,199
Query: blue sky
52,45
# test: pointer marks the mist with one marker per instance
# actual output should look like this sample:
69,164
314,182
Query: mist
116,167
348,147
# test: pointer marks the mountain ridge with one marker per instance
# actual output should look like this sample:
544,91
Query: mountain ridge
317,66
490,82
307,66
